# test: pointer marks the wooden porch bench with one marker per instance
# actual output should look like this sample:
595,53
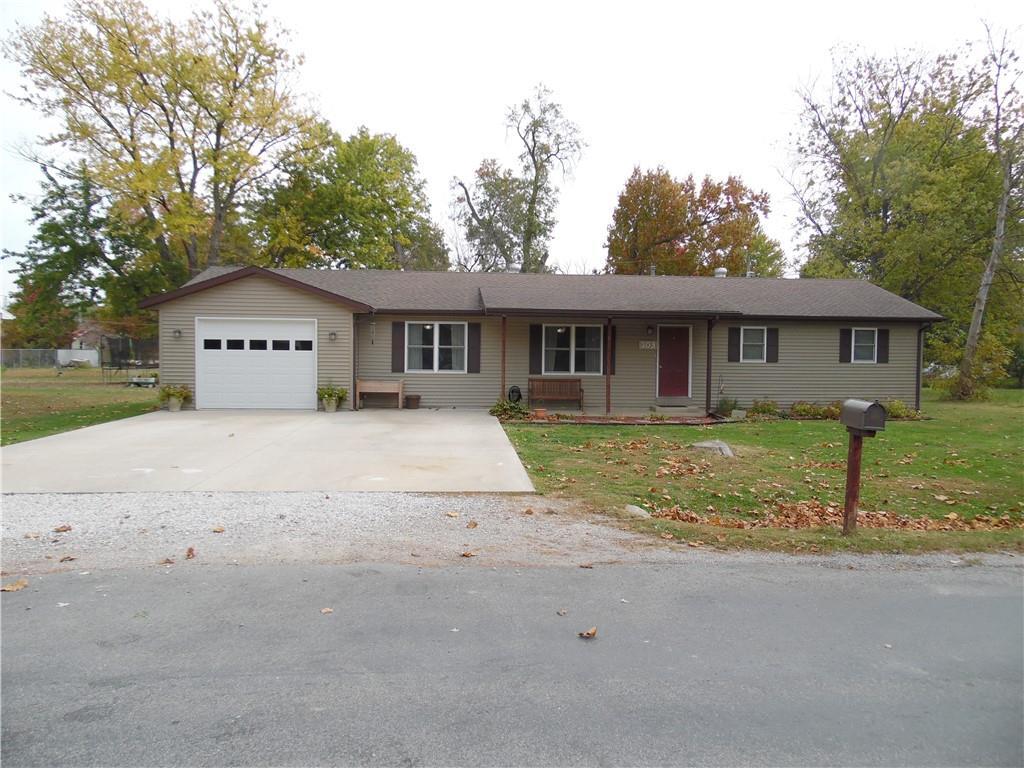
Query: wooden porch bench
556,390
370,386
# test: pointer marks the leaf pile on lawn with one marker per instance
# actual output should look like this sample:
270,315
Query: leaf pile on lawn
813,514
677,466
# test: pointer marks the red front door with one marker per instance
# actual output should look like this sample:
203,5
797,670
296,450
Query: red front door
673,361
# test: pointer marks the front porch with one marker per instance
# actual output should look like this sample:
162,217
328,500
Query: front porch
655,368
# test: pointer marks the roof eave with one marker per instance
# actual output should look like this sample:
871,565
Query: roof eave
250,271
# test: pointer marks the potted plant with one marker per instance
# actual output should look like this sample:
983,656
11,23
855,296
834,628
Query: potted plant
331,397
174,395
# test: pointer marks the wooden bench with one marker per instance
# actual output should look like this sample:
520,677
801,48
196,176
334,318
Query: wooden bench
371,387
556,390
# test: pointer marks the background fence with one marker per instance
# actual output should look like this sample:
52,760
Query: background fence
49,358
29,358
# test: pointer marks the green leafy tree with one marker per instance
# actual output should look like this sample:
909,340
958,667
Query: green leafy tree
507,216
1003,120
356,202
898,185
178,121
682,229
88,256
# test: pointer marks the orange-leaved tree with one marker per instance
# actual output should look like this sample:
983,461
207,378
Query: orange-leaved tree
680,229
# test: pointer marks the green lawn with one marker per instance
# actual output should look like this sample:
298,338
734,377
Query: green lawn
966,459
37,402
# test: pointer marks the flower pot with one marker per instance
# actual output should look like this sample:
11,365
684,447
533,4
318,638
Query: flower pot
412,401
330,406
173,403
540,413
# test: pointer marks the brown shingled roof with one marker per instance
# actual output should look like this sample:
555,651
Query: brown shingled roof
514,293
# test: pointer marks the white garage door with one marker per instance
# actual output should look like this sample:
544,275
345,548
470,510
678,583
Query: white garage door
253,363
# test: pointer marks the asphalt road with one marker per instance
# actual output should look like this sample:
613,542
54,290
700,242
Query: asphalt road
701,663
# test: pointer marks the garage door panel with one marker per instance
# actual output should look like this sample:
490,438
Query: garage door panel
233,372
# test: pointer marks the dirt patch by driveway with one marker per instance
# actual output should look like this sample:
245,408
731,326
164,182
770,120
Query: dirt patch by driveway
138,529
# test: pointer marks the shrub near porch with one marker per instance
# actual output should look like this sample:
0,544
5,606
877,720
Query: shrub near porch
965,460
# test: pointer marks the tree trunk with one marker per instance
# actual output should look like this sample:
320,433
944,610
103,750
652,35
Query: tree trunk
192,255
216,236
967,384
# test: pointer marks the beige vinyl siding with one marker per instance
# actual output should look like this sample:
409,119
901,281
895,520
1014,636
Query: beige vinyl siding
436,390
255,297
809,367
634,383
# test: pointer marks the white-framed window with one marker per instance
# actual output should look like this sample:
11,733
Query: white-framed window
435,347
753,344
865,345
577,349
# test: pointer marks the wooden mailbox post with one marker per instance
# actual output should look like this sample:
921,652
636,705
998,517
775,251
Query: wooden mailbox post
862,419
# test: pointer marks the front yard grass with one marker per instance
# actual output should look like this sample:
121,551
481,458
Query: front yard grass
966,459
36,402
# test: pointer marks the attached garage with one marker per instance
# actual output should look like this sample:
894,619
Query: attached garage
255,363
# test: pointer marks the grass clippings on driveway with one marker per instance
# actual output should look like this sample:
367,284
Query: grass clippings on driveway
38,402
965,460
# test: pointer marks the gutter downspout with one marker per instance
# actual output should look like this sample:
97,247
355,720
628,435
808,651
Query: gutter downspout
355,360
608,368
920,364
504,332
707,367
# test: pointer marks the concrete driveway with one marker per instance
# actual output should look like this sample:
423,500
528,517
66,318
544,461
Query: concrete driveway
369,450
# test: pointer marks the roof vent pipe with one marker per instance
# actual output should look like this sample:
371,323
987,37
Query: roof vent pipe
721,271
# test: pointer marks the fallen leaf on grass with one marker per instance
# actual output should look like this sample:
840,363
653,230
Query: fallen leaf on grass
471,524
528,511
15,586
668,536
62,528
468,554
326,610
218,529
67,558
589,634
190,553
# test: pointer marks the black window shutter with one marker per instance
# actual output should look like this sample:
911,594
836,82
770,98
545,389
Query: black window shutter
398,347
882,353
771,352
610,346
734,345
536,348
845,344
473,349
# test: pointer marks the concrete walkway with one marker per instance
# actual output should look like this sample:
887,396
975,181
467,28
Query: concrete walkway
370,450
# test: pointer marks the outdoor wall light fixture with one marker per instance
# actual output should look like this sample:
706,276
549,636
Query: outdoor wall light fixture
333,336
176,333
650,330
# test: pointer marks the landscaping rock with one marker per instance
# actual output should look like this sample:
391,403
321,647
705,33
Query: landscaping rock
636,511
718,446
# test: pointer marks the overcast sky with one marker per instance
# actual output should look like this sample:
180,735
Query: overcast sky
701,89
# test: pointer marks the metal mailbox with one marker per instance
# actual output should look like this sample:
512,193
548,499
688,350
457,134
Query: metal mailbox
863,416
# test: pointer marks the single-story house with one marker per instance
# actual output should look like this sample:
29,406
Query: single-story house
248,337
